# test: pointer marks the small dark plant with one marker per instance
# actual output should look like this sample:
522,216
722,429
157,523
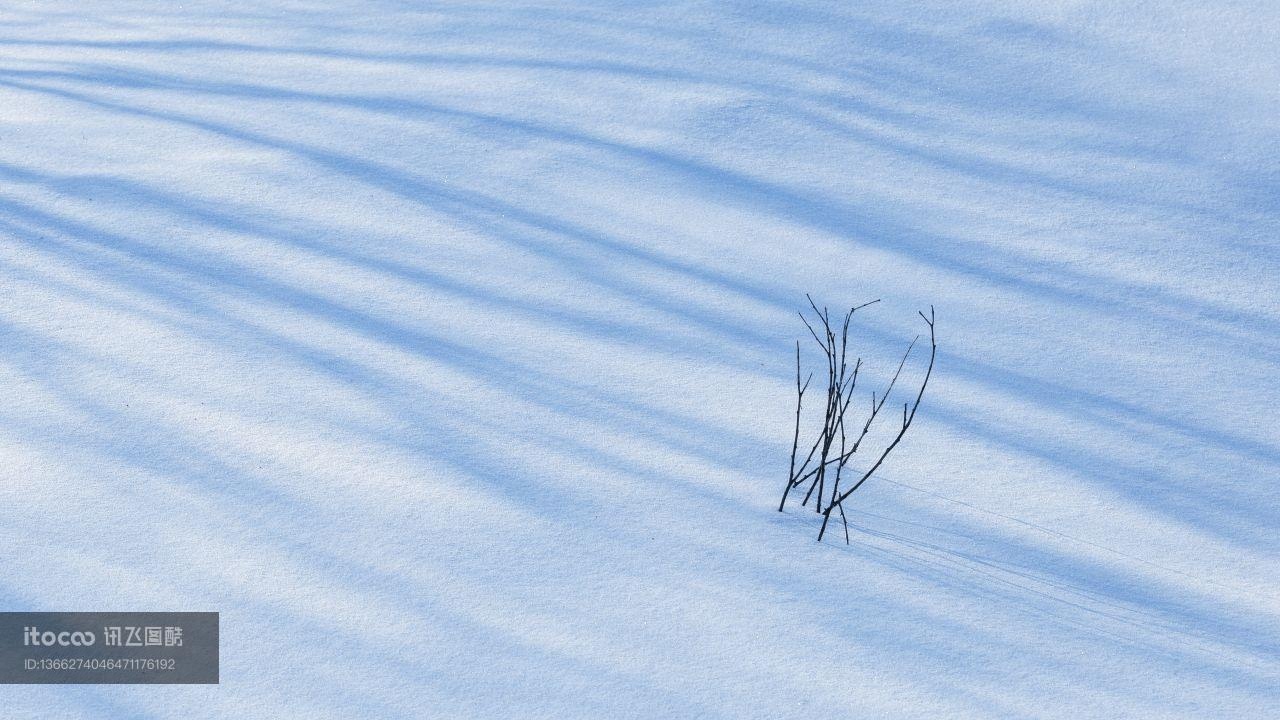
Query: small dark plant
823,467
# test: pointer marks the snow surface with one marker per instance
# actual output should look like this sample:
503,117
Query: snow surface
445,350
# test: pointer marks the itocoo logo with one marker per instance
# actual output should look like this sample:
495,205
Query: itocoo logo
33,636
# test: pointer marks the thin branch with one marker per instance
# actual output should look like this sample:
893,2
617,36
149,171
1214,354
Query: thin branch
795,442
811,330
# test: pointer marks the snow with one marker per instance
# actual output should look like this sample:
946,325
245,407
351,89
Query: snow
445,350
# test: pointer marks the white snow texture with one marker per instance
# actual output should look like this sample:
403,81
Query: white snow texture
446,350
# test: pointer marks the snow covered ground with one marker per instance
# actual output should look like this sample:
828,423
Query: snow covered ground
444,349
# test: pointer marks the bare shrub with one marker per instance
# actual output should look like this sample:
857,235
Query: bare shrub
837,443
